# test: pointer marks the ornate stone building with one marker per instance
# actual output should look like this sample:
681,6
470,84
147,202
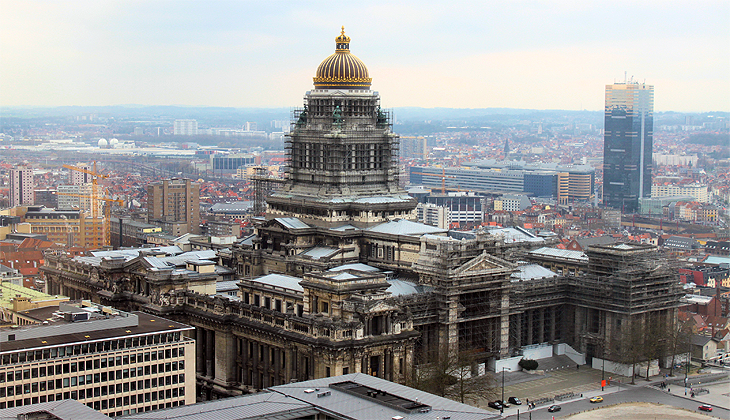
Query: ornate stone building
338,278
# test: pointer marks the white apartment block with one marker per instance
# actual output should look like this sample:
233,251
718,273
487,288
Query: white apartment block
697,191
431,214
73,197
115,362
509,202
185,127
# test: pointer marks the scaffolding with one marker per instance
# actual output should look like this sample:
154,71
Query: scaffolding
263,186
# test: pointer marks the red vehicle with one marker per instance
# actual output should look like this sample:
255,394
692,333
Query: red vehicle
705,407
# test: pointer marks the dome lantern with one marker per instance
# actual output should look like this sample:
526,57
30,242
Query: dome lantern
342,70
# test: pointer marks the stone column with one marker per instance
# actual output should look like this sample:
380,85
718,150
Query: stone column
244,362
200,350
529,314
224,363
553,314
267,362
210,354
541,332
277,366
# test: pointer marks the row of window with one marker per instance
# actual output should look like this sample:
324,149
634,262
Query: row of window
61,369
44,386
97,347
110,403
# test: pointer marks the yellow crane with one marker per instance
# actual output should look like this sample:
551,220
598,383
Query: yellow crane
443,177
107,212
94,186
95,198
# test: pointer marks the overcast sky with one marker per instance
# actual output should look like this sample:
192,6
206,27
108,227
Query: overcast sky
458,54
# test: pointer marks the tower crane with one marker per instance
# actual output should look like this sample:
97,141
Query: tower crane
94,186
95,199
107,212
443,178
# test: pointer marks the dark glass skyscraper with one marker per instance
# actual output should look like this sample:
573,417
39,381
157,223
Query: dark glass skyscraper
627,143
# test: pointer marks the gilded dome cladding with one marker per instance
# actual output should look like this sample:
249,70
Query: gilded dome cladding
342,70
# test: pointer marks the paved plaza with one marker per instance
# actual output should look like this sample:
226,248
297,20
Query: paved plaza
585,382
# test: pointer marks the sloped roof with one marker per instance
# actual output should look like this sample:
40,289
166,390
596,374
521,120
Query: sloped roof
280,280
405,227
292,223
532,272
319,252
560,253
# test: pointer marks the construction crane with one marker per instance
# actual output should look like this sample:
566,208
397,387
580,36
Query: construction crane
107,212
443,178
94,186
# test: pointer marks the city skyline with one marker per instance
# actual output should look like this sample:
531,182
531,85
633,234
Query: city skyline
530,55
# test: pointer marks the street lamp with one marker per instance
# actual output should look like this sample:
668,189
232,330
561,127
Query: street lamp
501,403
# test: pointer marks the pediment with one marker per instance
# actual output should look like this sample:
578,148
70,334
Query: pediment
484,263
381,307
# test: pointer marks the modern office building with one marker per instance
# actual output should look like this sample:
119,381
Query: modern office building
113,361
185,128
627,145
174,205
567,183
21,186
698,192
76,196
47,197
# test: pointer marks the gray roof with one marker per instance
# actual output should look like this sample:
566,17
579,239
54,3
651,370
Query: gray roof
560,253
405,288
405,227
360,407
292,223
354,266
64,410
280,280
235,207
512,235
223,286
269,405
532,272
344,228
596,240
318,252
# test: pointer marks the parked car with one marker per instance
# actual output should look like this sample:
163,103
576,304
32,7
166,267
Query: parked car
596,399
495,404
514,400
505,404
705,407
553,408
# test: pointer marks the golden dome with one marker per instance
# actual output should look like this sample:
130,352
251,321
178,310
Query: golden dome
342,70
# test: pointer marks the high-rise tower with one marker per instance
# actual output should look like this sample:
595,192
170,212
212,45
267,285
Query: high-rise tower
627,145
21,186
343,155
174,204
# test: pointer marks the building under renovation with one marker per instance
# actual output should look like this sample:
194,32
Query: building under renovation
338,278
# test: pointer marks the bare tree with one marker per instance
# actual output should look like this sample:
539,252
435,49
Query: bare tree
678,336
455,376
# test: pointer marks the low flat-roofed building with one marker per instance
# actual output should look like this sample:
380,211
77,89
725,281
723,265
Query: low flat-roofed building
356,396
15,300
113,361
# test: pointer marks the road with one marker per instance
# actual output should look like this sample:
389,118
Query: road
628,393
